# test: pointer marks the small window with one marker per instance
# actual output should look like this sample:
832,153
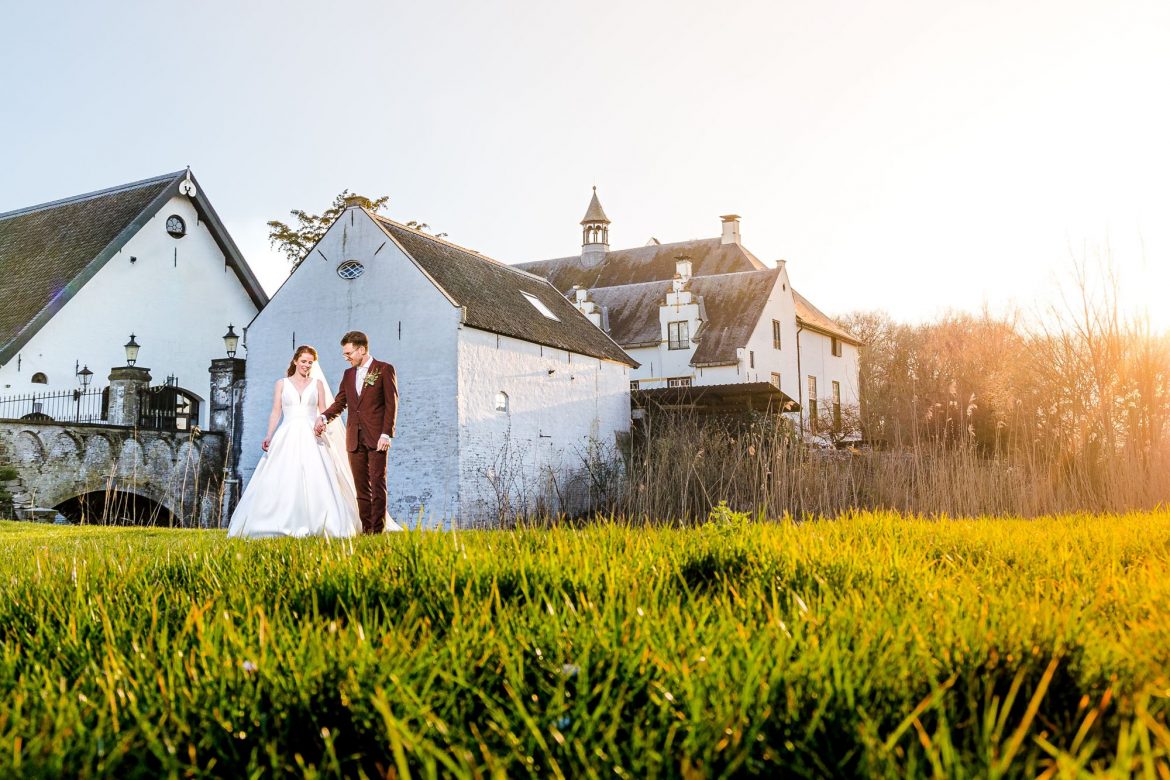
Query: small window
836,347
501,401
679,335
350,269
679,381
836,406
812,403
40,379
540,307
176,226
775,380
751,358
633,384
776,334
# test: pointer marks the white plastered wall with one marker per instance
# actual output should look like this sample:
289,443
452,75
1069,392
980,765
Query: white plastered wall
410,323
177,297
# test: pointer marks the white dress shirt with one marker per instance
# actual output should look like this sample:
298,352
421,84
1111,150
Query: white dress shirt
362,370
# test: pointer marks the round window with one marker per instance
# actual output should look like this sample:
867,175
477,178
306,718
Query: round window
176,226
350,269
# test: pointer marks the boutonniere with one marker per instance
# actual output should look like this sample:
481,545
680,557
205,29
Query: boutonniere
372,376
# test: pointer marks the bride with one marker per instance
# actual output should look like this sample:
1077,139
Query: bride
302,485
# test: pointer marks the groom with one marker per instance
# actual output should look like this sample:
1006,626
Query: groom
370,391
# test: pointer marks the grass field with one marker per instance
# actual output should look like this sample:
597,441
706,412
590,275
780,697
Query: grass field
870,645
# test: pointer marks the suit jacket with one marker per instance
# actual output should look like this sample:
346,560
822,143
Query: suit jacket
372,413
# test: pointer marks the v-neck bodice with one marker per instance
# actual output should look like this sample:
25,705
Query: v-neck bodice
295,403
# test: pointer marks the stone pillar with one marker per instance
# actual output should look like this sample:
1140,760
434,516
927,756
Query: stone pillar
226,415
127,386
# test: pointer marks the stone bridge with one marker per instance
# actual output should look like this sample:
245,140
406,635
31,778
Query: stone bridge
110,474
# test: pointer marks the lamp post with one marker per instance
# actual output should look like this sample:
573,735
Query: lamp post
84,377
128,388
131,348
227,385
231,341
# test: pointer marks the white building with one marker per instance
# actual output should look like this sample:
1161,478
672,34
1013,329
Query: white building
708,313
151,259
503,384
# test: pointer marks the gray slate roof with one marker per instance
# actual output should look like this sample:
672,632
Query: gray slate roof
813,318
709,257
491,293
646,264
48,252
732,303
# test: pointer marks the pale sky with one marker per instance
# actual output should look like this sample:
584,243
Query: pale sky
907,156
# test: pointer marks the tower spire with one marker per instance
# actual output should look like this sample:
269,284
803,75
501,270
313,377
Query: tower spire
594,232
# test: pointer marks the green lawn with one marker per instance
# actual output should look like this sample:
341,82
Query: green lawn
870,645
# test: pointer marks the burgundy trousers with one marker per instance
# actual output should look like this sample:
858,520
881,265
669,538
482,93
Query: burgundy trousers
369,481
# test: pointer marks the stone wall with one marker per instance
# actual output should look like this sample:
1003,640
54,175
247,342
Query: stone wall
179,471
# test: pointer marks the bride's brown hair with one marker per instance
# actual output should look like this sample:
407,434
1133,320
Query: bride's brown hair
292,364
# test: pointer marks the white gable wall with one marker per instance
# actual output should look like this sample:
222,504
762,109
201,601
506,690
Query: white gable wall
661,362
557,403
681,305
177,297
410,324
780,306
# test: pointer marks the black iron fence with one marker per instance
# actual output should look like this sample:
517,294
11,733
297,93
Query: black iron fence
86,406
164,408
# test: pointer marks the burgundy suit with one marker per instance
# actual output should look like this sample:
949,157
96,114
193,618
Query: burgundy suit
372,413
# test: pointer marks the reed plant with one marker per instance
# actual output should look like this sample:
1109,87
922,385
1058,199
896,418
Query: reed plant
682,465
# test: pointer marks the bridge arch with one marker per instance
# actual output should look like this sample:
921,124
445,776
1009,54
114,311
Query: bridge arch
116,506
30,450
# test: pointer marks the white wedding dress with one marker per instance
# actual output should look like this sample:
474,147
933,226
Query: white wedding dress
302,485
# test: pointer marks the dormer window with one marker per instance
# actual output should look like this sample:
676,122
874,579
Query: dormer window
540,307
678,335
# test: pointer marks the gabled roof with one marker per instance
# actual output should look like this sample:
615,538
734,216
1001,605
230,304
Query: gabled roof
732,303
709,256
814,319
48,252
491,294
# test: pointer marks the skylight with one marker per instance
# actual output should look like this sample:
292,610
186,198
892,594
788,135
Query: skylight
540,307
